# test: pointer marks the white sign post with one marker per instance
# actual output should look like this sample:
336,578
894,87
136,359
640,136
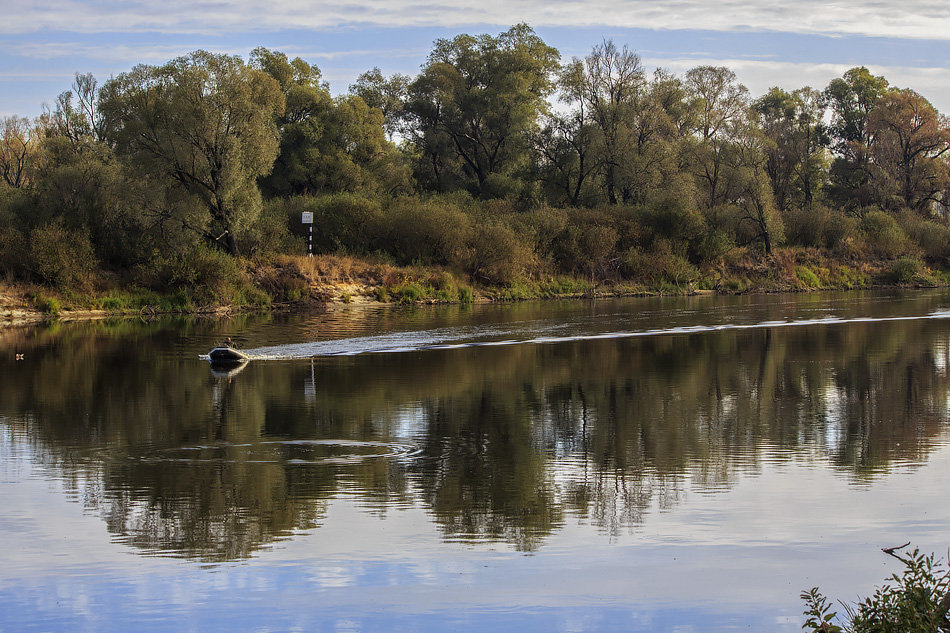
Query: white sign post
307,218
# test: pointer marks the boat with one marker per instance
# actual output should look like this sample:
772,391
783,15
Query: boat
228,369
227,355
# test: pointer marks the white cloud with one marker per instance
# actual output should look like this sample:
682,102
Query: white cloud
759,76
910,19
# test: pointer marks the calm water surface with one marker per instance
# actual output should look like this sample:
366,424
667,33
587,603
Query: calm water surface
685,464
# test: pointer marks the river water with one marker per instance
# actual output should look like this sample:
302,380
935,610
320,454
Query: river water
672,464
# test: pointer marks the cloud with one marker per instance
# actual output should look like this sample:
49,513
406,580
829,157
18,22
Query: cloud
758,76
911,19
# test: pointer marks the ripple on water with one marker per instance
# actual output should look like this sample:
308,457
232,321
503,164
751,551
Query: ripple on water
298,452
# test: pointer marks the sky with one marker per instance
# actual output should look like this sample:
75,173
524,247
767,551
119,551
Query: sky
43,43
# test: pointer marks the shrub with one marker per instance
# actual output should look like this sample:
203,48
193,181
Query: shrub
914,601
271,232
661,265
904,270
883,235
807,277
588,244
818,226
49,306
932,237
497,256
208,274
410,293
342,222
61,257
430,231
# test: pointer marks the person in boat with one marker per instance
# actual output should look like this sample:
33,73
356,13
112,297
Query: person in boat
227,343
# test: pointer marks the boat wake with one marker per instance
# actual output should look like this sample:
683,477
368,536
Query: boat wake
528,334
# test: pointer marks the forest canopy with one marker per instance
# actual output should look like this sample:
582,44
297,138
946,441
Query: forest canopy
499,161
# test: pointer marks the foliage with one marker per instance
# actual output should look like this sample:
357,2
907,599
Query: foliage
905,270
61,258
914,601
473,105
633,177
883,234
205,123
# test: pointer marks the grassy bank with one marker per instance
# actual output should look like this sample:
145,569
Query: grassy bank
301,283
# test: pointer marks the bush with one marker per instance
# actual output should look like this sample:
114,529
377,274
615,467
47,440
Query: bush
933,237
271,232
904,270
913,602
497,256
818,226
430,231
207,274
49,306
660,266
61,257
883,236
342,222
807,277
587,245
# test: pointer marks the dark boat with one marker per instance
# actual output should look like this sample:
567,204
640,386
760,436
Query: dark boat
227,355
227,369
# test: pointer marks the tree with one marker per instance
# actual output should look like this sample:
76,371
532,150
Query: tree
719,107
793,123
851,99
18,148
327,145
205,124
387,94
911,140
748,175
475,103
567,142
611,83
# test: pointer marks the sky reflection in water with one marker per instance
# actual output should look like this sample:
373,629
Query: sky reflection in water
687,481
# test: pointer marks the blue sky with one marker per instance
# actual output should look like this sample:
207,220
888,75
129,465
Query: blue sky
768,42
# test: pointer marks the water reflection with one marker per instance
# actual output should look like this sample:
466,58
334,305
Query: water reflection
503,443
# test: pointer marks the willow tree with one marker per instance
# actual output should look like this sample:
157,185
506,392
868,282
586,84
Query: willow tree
851,99
912,141
474,105
611,83
204,126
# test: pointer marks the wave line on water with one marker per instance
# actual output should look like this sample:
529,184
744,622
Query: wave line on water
428,340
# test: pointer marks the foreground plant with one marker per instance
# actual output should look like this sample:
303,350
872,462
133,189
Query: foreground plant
915,601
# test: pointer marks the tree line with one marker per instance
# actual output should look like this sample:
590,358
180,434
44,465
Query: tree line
499,160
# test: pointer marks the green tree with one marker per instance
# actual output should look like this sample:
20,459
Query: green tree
474,105
204,124
851,98
914,601
387,94
611,85
719,107
567,143
327,145
793,124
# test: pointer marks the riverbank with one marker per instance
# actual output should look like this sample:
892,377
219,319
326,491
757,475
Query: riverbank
297,283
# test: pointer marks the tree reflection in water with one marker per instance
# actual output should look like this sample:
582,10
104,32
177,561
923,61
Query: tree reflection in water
497,443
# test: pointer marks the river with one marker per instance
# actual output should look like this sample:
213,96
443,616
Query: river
664,464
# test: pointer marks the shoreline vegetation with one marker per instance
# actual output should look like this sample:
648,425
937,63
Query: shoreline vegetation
301,283
501,172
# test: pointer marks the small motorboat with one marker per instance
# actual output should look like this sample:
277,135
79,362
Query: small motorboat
227,369
227,355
